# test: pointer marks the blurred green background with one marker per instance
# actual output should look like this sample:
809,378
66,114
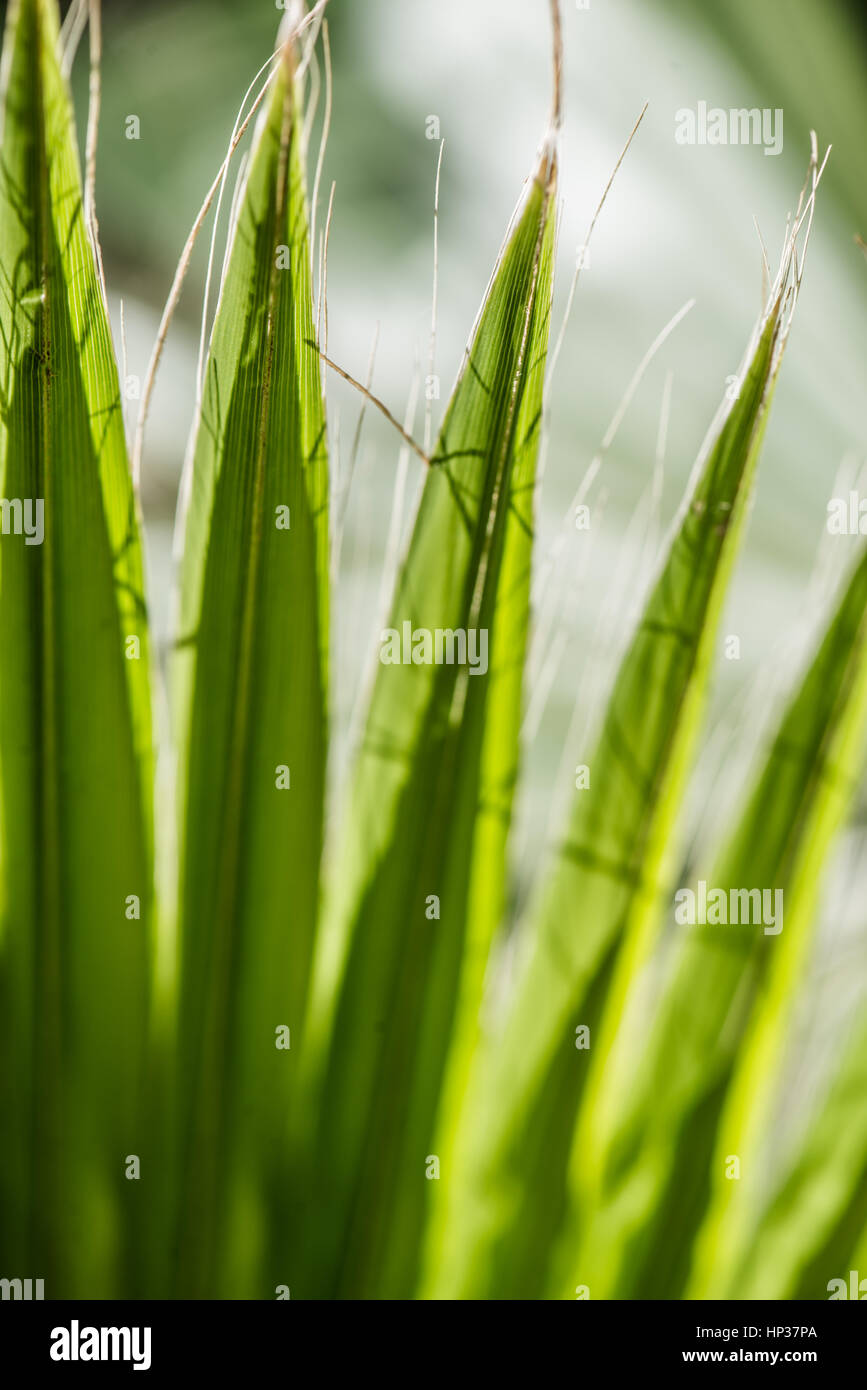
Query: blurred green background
678,225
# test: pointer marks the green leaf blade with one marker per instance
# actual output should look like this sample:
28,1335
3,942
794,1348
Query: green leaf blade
595,917
431,795
251,681
656,1146
75,758
821,739
809,1232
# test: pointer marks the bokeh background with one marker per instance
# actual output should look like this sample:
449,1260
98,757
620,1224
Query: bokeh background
679,224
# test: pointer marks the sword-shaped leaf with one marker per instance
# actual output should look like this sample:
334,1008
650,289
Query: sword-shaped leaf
419,882
251,681
810,782
810,1232
653,1145
75,755
596,916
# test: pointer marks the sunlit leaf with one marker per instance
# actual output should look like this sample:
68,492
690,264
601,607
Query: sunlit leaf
602,891
250,673
418,887
74,714
654,1140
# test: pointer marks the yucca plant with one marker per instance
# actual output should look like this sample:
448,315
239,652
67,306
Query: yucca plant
301,1071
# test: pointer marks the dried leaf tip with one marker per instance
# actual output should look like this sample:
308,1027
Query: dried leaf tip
545,173
557,70
786,288
296,19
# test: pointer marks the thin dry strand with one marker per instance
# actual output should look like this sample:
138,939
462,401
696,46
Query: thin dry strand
186,254
557,78
326,130
577,274
428,414
550,563
380,405
71,32
94,10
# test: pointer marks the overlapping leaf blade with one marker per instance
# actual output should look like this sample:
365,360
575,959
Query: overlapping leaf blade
654,1137
807,1235
814,763
603,889
431,797
251,672
74,715
528,1202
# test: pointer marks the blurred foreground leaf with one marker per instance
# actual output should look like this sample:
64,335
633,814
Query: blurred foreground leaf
652,1139
74,715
